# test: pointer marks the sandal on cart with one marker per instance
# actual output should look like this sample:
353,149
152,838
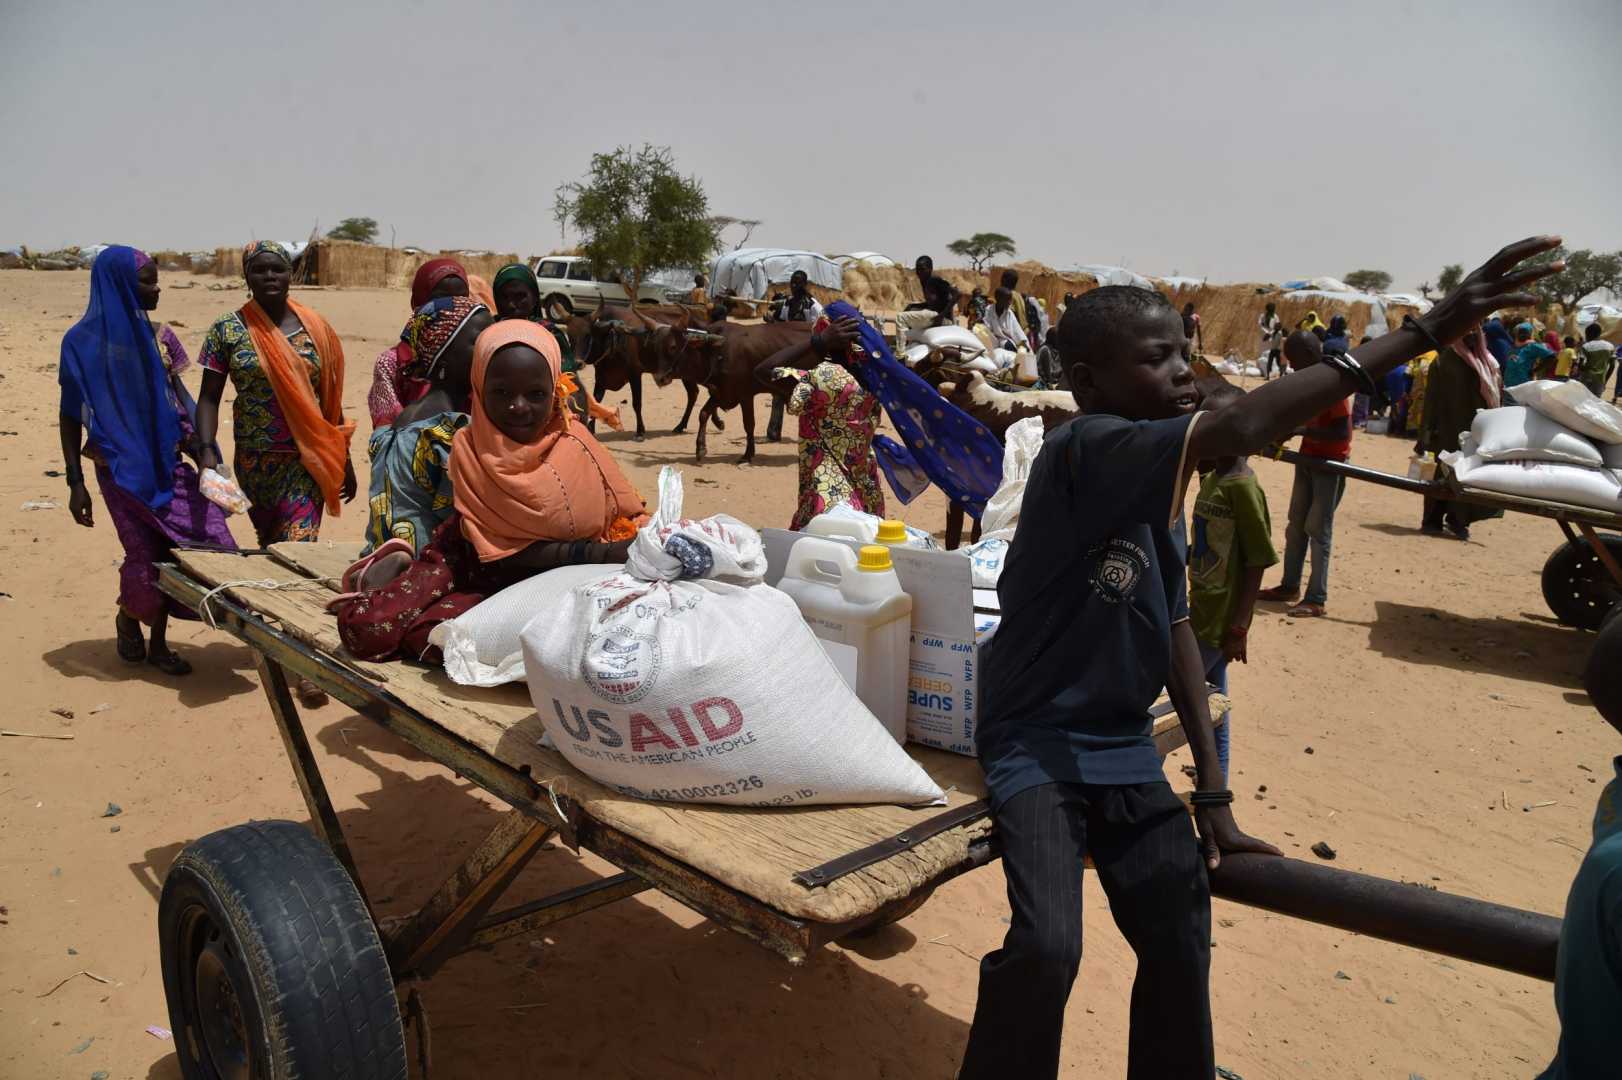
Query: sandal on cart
131,645
349,584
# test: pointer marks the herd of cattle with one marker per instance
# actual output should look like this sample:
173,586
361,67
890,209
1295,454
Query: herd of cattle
677,342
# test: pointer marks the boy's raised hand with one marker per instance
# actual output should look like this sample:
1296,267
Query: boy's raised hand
1500,282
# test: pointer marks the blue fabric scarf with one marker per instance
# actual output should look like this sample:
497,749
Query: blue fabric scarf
941,443
114,382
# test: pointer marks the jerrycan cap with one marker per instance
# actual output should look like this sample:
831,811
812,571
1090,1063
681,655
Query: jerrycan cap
892,532
873,558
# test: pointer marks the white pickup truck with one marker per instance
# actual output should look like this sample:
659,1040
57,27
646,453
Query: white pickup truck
568,287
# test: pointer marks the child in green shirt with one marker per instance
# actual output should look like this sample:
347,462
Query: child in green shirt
1230,545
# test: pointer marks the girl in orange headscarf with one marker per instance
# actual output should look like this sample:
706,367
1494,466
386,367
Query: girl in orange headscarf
533,491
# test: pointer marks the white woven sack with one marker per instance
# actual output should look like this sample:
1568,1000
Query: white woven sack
1517,433
1546,480
954,337
481,645
687,678
1572,404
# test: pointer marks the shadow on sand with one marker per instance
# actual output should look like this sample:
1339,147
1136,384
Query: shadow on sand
640,988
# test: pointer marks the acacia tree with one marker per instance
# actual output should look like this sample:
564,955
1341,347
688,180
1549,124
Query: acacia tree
723,222
637,215
362,229
981,248
1368,280
1585,272
1449,278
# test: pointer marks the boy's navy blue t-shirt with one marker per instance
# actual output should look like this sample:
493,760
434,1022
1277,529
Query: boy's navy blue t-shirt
1093,583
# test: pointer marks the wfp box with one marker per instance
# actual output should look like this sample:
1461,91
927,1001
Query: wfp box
949,637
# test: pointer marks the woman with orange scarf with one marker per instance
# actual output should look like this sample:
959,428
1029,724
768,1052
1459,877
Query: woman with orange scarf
533,491
287,367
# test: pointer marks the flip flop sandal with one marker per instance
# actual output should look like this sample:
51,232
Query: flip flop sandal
1306,611
170,663
131,647
349,584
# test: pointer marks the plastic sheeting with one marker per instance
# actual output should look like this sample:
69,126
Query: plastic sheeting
1115,275
751,272
872,258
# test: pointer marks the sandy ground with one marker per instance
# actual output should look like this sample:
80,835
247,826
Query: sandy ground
1437,688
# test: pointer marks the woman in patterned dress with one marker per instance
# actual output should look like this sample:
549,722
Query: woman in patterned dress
286,365
398,379
838,418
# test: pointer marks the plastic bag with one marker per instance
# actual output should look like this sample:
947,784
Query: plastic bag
223,491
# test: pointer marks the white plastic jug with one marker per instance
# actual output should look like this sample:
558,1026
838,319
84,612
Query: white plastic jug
854,604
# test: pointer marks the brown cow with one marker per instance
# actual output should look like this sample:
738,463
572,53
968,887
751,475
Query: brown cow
619,342
727,368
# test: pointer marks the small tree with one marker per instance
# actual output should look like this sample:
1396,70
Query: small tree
1425,289
1449,278
982,247
637,215
362,229
1585,272
1368,280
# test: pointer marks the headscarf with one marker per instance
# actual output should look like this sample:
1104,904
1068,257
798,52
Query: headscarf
317,424
1473,350
259,247
434,326
114,381
563,486
1499,343
479,289
518,272
1311,322
1551,341
943,444
429,275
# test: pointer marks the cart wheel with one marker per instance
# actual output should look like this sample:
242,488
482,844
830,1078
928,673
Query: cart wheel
271,964
1577,587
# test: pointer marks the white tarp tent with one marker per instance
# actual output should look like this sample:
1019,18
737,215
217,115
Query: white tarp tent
1115,275
872,258
751,272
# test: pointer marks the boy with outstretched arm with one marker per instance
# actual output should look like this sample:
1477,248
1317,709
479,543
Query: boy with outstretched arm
1095,623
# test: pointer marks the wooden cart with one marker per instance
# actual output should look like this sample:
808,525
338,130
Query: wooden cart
247,998
1582,578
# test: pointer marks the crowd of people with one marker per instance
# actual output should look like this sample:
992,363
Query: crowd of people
483,472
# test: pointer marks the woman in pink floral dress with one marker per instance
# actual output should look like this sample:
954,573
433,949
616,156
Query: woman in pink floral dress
838,418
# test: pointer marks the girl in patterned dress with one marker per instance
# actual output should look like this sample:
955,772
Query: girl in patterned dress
838,418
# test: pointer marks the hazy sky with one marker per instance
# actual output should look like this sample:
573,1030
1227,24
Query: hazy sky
1241,141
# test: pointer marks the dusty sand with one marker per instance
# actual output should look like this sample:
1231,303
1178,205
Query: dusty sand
1437,683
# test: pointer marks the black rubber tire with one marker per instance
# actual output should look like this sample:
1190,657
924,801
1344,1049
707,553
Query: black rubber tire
1602,677
557,307
1576,585
260,925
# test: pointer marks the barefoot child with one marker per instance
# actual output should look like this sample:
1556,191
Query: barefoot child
1230,548
1095,623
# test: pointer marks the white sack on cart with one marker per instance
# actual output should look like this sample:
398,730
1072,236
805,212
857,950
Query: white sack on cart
687,678
481,645
1517,433
1572,404
1545,480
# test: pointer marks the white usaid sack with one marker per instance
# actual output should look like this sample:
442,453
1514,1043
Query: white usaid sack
1021,444
1573,405
687,678
1547,480
1517,433
481,646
